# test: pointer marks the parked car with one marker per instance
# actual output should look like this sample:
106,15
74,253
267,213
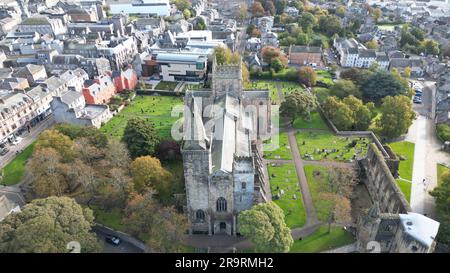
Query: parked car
113,240
417,100
17,141
418,94
420,79
3,151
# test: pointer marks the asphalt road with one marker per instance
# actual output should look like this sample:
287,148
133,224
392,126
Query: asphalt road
123,247
28,138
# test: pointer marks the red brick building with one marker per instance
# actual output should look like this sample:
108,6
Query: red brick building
100,90
124,80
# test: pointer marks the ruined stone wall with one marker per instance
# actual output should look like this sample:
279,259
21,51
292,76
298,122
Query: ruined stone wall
381,183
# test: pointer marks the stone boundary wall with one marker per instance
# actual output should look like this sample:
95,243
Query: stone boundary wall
381,183
143,92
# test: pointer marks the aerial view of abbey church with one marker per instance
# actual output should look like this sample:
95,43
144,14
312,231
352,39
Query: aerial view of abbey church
224,126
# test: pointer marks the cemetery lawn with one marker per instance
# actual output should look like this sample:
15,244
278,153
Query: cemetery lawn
283,152
315,183
14,170
324,76
156,109
405,149
170,86
286,179
316,122
326,140
440,170
264,85
321,240
288,87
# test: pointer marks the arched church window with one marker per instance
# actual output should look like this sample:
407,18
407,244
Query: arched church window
200,215
221,204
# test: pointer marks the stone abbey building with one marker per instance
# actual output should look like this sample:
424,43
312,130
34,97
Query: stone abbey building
222,151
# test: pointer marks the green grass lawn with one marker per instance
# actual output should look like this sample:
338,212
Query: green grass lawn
314,140
321,240
13,172
440,170
316,122
264,85
156,109
284,150
288,87
324,76
166,85
110,218
284,177
315,183
406,149
405,187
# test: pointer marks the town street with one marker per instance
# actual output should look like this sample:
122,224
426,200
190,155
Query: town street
427,153
28,138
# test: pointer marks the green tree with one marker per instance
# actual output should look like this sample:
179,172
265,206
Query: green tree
396,116
340,11
265,227
381,84
187,13
329,24
141,137
430,47
362,116
344,88
442,196
372,44
48,225
183,4
146,172
339,113
277,65
307,21
298,104
200,23
307,76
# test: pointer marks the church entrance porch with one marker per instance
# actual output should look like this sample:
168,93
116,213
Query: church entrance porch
222,227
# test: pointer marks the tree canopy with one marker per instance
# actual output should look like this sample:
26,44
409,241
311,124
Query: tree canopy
265,227
396,116
48,225
381,84
141,137
298,104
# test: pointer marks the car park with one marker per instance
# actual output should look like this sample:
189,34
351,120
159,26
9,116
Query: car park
17,141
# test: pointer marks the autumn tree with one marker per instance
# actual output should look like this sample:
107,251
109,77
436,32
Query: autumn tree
58,141
257,9
337,188
270,54
147,171
46,173
162,225
407,72
141,137
372,44
307,76
396,116
298,104
376,13
265,227
47,226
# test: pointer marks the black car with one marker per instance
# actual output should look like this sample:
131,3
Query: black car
4,151
113,240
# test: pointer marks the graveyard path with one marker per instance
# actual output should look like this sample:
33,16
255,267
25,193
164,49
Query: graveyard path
303,182
329,164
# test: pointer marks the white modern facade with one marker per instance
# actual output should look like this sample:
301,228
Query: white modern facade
158,7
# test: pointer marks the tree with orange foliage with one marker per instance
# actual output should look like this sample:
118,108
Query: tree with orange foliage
257,9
